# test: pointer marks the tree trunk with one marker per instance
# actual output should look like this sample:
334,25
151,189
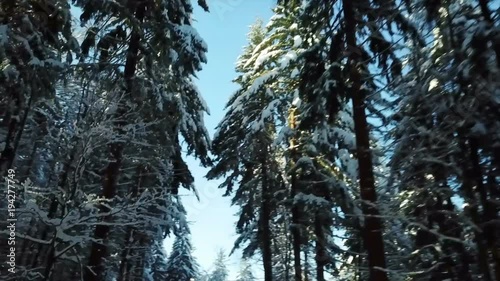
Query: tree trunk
295,229
95,267
320,247
287,255
372,232
51,259
265,217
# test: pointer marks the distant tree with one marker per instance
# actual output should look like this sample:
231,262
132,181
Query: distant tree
220,272
181,265
245,273
159,266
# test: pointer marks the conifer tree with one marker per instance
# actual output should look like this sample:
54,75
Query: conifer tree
220,271
245,273
244,141
181,264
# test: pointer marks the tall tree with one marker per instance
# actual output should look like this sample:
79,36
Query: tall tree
450,159
372,234
243,145
174,17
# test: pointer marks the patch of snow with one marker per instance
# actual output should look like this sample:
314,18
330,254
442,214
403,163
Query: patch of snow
287,58
264,57
433,84
297,41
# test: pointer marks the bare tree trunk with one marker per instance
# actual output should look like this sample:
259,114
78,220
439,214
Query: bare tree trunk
372,232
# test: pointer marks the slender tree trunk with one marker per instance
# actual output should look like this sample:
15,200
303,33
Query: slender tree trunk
320,247
372,232
265,218
287,255
51,259
295,228
95,267
321,221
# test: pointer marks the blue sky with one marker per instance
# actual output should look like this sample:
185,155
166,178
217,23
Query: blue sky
224,30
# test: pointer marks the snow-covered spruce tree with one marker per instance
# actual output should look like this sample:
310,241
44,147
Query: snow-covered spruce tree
181,264
351,76
220,271
422,179
161,91
51,200
34,36
278,55
245,273
243,148
446,145
474,37
158,270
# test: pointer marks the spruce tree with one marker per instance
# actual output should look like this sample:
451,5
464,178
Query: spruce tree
245,273
220,271
181,264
